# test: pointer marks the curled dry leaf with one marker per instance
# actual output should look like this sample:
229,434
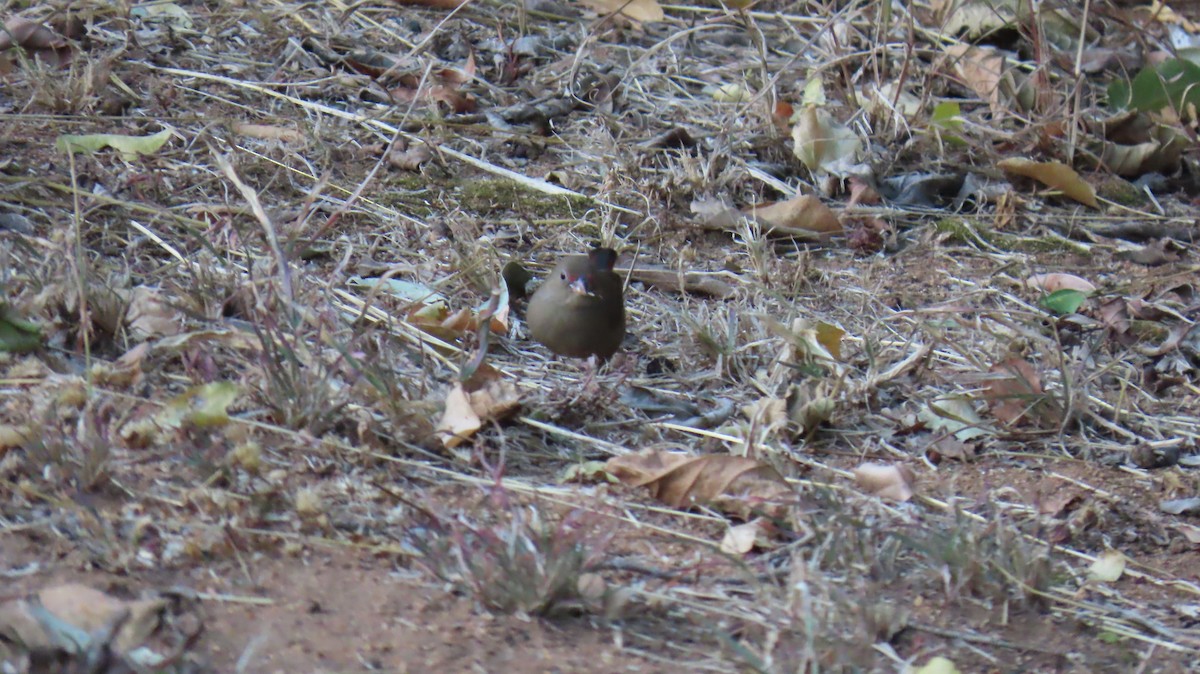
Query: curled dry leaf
1053,174
1108,567
937,665
37,40
824,144
743,538
436,4
1181,506
981,69
1059,501
887,481
268,132
409,156
685,282
1014,393
644,11
736,485
430,311
804,215
1189,531
444,87
148,315
1053,282
466,413
45,619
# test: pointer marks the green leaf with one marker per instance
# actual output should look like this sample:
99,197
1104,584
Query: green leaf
1064,301
204,406
129,146
17,335
1174,83
947,119
947,115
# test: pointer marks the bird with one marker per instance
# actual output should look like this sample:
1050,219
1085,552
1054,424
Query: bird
579,310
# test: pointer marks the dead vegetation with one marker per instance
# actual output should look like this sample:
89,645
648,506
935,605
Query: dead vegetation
910,372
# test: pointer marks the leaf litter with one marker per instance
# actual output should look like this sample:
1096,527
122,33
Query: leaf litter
243,352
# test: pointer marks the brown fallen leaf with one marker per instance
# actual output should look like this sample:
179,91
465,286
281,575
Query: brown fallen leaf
1059,501
83,608
148,315
409,156
444,86
268,132
436,4
1053,174
950,447
1015,395
37,40
643,11
887,481
1190,531
736,485
686,282
466,412
1056,281
743,538
981,69
800,216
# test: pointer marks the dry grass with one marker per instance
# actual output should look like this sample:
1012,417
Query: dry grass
250,242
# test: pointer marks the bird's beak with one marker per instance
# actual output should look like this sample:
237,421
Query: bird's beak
579,286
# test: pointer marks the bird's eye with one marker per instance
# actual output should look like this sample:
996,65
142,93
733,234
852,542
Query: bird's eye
563,276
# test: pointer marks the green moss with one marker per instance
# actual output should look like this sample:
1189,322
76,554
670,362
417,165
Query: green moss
1121,191
500,195
420,196
961,231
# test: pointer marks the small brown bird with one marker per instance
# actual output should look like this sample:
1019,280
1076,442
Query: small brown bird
579,310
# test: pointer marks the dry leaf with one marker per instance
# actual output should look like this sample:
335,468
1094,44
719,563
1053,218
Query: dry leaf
1053,282
436,4
950,447
82,608
937,665
1014,393
887,481
981,69
459,420
466,412
1190,531
38,41
823,144
268,132
644,11
444,86
1108,567
768,414
736,485
743,538
802,215
1054,174
409,156
1180,506
149,316
686,282
1058,502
